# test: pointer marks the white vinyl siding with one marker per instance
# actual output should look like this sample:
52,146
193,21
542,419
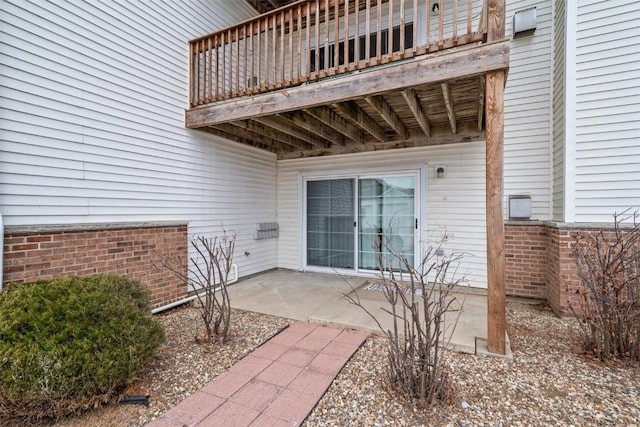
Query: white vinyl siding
527,111
92,123
455,203
607,176
559,106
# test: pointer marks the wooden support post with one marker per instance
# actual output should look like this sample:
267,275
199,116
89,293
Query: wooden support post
494,117
496,310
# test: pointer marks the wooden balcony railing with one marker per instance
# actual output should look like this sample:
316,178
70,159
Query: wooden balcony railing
313,39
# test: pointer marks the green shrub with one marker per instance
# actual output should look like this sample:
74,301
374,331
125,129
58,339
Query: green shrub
70,344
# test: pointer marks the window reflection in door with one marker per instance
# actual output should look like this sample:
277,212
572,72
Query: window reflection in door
386,208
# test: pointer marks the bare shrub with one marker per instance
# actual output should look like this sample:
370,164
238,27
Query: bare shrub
207,273
418,301
608,303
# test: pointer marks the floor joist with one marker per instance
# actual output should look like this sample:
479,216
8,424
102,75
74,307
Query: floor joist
330,118
359,117
448,102
313,125
279,125
413,103
386,112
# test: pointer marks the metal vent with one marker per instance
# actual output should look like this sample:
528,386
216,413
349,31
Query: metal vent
524,22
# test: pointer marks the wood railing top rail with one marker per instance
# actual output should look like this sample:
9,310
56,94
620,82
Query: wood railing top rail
286,8
256,18
312,39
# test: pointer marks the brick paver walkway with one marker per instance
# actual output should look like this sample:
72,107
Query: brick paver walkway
278,384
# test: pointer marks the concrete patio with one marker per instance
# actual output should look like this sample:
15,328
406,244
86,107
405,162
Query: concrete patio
281,381
320,298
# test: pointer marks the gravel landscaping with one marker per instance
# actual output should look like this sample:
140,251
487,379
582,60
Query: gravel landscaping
181,366
548,382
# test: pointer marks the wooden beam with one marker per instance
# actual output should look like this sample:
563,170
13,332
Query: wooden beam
448,102
285,127
413,102
252,136
496,309
268,132
481,102
430,69
440,135
362,119
386,112
313,125
236,138
330,118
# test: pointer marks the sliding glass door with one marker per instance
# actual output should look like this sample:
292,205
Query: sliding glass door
330,218
354,223
386,221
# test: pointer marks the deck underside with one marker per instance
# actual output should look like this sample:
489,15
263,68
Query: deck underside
429,100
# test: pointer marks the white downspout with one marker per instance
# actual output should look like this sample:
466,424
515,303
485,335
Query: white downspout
192,297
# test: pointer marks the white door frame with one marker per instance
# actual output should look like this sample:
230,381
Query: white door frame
420,197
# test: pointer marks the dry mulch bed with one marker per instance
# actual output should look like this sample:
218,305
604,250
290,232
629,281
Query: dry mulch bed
546,383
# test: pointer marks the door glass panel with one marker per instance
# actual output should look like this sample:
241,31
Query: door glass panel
386,222
330,216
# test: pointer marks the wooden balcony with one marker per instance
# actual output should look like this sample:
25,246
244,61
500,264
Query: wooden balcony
320,77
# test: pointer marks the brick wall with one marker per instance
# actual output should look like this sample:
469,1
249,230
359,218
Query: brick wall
539,261
562,275
525,247
563,279
126,249
553,278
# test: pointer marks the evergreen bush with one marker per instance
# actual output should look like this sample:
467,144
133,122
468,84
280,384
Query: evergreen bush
70,344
